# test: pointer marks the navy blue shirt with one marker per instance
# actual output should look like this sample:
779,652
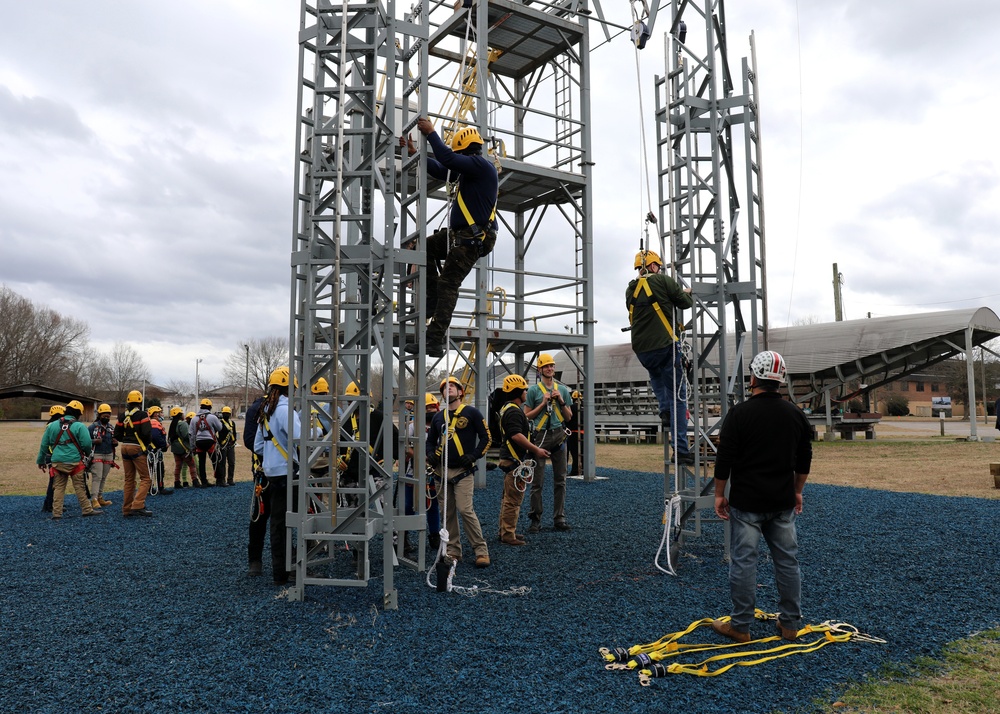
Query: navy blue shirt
477,182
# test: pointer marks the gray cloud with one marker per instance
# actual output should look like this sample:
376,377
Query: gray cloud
21,116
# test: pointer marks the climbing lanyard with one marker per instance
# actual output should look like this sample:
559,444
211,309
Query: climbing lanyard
646,657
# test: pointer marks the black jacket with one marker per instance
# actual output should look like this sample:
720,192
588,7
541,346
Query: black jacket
764,442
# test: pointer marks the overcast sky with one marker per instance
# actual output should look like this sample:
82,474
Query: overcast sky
146,155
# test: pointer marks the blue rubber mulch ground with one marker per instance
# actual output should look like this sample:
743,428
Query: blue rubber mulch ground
108,614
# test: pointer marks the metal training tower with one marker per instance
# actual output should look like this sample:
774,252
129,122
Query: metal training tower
517,71
712,222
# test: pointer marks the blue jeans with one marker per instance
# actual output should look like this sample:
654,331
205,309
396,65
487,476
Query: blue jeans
666,377
778,529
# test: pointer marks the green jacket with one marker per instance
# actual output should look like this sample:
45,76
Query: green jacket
178,445
648,329
61,446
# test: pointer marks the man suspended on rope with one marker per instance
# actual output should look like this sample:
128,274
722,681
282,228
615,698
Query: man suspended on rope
206,430
103,436
548,407
652,299
158,448
134,433
468,438
225,470
515,446
178,434
472,225
64,450
765,451
275,422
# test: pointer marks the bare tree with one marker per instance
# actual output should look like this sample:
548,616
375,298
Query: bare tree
258,357
37,344
125,370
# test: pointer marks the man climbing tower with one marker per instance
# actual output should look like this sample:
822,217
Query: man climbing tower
472,225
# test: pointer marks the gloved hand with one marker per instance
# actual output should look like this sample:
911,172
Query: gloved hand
434,461
467,462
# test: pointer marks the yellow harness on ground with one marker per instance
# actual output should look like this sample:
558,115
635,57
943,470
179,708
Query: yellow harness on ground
643,286
646,657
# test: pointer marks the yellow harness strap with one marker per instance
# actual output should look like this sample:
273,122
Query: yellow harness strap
274,440
128,424
451,430
468,216
555,410
643,286
506,440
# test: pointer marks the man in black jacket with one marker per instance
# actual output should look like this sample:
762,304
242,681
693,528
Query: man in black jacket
764,454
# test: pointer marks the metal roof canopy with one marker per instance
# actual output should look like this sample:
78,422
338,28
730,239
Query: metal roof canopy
826,358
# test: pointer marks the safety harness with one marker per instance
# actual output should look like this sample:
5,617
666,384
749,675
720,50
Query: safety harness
474,234
522,469
268,434
65,431
556,412
128,425
646,658
647,300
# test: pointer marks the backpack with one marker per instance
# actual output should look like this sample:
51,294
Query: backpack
250,423
495,403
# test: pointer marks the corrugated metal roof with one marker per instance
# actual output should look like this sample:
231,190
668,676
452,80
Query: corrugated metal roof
822,350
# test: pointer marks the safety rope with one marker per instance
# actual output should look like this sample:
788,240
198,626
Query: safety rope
524,474
154,458
646,658
442,553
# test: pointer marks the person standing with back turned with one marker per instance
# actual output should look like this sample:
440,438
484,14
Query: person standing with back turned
472,225
764,455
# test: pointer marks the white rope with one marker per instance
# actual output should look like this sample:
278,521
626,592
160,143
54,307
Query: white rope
671,515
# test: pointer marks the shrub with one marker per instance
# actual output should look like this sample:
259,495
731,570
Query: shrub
897,405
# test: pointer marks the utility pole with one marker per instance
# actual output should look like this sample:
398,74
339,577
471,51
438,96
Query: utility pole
838,304
197,382
246,380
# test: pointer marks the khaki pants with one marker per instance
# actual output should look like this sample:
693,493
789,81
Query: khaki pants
460,502
59,488
134,464
510,504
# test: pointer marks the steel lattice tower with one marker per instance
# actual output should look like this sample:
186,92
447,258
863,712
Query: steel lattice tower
519,72
712,223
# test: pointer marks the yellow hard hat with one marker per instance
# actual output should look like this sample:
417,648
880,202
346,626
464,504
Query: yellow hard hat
153,410
175,411
104,409
514,381
75,405
57,410
544,359
352,390
189,415
227,410
643,259
206,402
464,137
134,397
453,380
431,401
321,386
279,377
576,395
